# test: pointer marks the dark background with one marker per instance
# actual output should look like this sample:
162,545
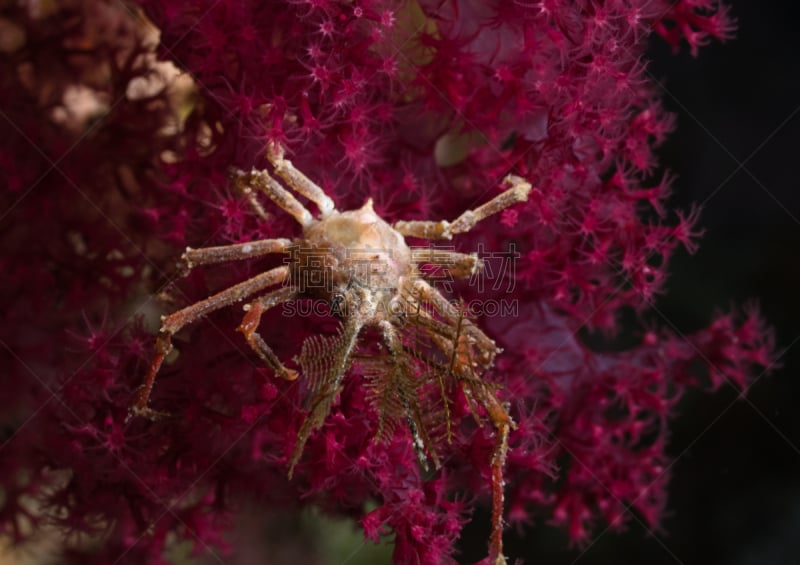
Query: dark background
735,489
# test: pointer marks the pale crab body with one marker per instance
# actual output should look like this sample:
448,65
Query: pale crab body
365,263
364,268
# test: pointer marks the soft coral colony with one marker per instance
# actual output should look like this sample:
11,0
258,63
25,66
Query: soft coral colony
111,166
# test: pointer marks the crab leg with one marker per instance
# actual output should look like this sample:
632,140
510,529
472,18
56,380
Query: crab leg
422,441
503,424
250,324
173,323
192,258
298,181
481,394
323,399
269,186
423,292
460,265
462,367
518,191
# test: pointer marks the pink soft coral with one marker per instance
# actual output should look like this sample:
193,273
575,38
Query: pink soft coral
421,105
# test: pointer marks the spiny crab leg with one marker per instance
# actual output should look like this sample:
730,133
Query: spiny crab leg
279,195
503,424
423,292
174,322
462,367
323,400
192,258
481,393
250,324
459,265
518,191
298,181
423,446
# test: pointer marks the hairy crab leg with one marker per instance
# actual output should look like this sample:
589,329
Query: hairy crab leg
298,181
518,191
192,258
423,292
422,441
250,324
173,323
481,394
462,366
503,424
459,265
323,399
279,195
